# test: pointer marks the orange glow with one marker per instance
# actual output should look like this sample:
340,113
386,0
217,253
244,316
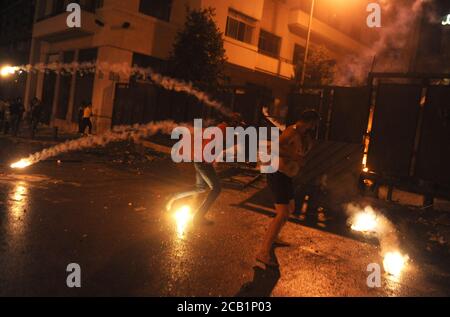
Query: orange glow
21,164
394,263
183,217
7,70
366,221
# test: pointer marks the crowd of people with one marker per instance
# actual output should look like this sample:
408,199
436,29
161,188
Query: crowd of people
13,113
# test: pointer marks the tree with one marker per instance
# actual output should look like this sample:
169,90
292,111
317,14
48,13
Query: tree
320,67
198,53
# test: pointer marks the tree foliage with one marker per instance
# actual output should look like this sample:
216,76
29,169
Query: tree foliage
320,67
198,53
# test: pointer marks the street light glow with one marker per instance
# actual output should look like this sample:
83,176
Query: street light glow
8,70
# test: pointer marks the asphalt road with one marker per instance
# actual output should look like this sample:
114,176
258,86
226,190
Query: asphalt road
107,215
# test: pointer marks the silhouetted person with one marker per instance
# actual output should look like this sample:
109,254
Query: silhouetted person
295,144
36,115
87,115
207,179
7,116
16,110
80,117
2,113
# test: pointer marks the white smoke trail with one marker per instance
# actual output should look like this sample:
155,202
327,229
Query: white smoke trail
125,70
123,132
120,133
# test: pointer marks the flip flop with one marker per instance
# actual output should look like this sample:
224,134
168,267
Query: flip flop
267,263
281,243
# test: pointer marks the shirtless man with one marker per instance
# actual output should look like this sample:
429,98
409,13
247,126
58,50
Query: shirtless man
295,143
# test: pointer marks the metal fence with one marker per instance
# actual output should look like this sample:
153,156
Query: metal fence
143,102
398,125
402,122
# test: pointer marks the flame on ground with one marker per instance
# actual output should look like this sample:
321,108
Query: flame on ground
394,263
183,217
23,163
365,221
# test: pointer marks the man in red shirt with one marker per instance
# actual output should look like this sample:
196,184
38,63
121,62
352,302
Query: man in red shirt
206,178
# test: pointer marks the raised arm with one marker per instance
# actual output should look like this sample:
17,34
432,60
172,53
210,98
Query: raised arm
286,143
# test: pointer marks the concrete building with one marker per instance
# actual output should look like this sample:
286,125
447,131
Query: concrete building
262,39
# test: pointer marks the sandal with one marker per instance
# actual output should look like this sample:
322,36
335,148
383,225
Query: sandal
267,261
280,243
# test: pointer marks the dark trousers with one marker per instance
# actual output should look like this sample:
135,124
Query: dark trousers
5,126
15,124
86,124
2,120
34,126
206,178
80,125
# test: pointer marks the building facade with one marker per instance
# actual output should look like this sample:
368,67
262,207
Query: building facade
262,39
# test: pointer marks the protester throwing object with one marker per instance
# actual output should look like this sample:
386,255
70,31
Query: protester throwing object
295,143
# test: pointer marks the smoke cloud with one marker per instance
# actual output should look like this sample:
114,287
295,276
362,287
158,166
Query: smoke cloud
391,51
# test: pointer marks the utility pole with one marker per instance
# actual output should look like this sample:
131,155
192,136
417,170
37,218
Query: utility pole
308,38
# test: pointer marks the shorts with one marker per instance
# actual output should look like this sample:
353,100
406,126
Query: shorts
282,188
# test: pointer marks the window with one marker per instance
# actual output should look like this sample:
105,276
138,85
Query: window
159,9
239,27
269,44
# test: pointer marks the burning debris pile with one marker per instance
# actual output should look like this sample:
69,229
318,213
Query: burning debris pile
369,222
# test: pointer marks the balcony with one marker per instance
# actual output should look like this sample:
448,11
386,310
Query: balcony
247,55
298,24
54,28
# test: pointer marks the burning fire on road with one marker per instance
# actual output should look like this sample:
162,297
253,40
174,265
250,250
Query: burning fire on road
365,221
23,163
368,221
394,263
183,217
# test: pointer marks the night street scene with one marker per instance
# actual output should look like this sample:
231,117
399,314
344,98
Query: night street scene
256,149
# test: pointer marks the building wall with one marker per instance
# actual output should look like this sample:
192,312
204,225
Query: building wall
154,37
